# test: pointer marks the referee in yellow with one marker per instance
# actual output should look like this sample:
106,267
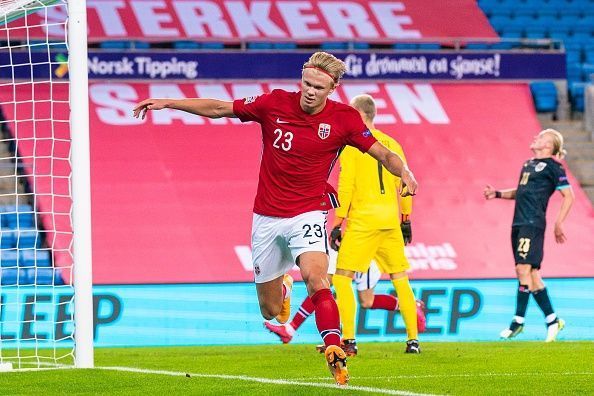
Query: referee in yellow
369,202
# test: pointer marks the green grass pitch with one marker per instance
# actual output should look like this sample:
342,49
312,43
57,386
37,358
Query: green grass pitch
494,368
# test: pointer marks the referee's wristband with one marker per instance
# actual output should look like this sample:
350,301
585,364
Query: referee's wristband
497,194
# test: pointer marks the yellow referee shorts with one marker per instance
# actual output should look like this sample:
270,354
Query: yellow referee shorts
359,247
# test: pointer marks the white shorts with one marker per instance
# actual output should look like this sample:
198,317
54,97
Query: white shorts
368,280
363,280
277,242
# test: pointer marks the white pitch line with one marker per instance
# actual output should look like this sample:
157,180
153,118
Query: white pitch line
268,381
18,370
468,375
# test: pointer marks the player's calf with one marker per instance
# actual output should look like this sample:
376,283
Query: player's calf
421,316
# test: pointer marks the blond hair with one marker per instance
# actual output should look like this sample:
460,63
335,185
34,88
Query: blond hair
558,149
365,104
327,63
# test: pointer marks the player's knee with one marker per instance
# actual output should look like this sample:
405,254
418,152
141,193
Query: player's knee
535,272
316,280
398,275
365,303
523,270
315,285
269,311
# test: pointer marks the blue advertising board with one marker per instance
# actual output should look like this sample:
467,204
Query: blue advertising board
217,314
456,66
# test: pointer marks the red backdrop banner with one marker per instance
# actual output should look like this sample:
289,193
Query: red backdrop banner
287,20
172,194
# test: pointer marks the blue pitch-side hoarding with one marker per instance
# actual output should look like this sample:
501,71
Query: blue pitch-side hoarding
215,314
457,66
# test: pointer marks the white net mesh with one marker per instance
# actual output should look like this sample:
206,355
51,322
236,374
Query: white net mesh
36,310
15,9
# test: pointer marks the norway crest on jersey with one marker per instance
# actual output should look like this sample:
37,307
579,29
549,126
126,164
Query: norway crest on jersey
323,131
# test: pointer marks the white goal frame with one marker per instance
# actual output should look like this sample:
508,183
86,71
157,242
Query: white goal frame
80,163
81,183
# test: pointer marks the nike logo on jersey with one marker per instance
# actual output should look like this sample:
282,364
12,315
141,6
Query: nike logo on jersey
279,121
312,242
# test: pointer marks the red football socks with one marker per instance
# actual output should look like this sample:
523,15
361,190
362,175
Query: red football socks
385,301
306,309
327,318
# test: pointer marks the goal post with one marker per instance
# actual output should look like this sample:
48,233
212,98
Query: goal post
46,302
81,183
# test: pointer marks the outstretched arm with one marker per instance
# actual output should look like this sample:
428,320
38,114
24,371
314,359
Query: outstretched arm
396,166
568,198
211,108
489,192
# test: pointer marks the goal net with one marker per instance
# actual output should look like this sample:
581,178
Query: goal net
39,296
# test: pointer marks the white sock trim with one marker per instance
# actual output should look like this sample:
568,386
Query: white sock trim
551,318
519,319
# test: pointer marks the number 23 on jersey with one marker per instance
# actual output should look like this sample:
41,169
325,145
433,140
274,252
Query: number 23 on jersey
282,140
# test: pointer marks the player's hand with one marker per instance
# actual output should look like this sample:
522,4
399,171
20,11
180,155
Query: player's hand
489,192
335,236
410,183
559,234
406,229
149,104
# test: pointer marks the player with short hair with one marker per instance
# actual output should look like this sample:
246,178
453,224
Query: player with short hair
375,220
540,177
302,135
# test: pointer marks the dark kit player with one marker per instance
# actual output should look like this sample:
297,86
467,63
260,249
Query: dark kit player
541,176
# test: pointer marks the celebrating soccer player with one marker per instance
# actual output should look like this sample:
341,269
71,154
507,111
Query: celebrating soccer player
302,134
539,178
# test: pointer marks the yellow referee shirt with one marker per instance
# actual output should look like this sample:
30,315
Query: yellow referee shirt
369,194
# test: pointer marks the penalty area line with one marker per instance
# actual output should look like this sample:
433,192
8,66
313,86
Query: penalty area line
265,381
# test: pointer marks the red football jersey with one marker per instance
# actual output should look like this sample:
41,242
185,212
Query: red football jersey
299,150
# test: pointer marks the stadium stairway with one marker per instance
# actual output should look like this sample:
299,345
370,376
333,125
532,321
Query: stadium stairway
541,19
7,178
24,259
580,151
570,22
